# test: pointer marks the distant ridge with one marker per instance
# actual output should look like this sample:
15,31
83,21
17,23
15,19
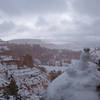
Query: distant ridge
45,43
42,43
75,46
25,41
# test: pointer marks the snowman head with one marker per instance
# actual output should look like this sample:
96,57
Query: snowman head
85,55
87,50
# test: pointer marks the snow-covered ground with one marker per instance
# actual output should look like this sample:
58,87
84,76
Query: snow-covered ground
6,58
32,82
78,82
54,68
4,48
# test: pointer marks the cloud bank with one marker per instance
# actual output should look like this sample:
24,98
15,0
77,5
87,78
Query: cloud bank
61,21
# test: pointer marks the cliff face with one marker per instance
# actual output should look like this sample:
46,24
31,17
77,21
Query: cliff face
26,60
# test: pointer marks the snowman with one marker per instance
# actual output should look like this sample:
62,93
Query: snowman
77,83
84,58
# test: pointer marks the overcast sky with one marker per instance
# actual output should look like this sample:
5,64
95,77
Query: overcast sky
57,20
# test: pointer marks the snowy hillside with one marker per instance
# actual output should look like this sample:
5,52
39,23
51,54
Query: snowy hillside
42,43
76,81
76,46
31,81
25,41
79,82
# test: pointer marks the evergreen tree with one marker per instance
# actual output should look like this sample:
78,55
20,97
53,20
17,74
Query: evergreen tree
11,89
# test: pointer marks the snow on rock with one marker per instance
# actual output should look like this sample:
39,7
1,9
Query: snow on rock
77,83
98,54
4,48
54,68
6,58
32,82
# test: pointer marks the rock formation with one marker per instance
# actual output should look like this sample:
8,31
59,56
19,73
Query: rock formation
26,60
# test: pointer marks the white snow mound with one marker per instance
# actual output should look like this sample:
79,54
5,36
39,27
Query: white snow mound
77,83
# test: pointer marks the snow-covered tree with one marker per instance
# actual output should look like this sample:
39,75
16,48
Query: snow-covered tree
11,89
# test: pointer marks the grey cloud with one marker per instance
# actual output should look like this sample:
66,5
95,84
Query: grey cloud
22,28
76,29
91,29
41,21
10,28
32,6
84,32
5,27
96,27
88,7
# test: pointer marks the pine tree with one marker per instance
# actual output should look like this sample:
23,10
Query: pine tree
11,89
